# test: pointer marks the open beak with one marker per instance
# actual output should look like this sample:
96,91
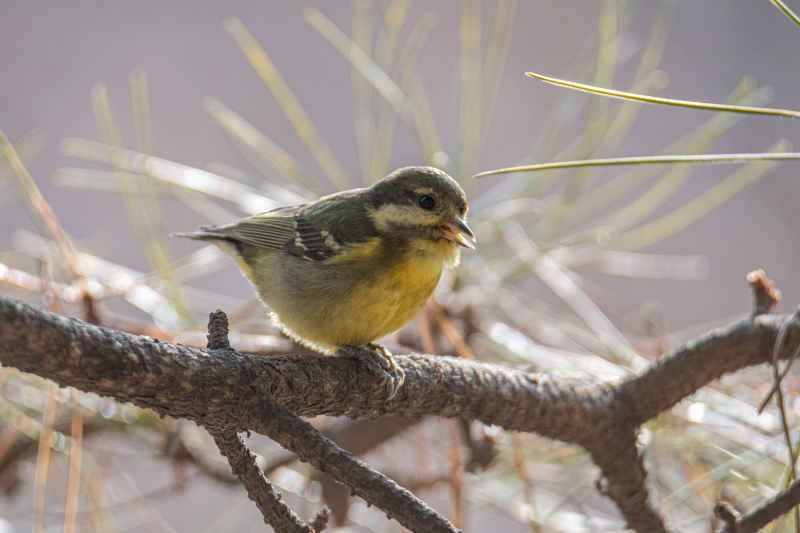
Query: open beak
458,232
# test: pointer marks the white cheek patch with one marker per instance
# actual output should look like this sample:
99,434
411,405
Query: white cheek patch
401,215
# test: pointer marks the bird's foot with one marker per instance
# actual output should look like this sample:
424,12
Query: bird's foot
389,366
380,359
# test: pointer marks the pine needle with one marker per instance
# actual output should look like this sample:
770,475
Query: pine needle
708,106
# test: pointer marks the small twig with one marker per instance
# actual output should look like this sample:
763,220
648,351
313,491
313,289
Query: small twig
456,474
766,297
218,331
482,450
44,451
455,478
75,463
427,338
43,457
320,522
784,421
765,513
764,291
450,331
419,483
519,463
19,279
90,311
775,351
728,514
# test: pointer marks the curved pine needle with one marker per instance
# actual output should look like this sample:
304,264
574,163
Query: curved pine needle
26,146
698,141
291,107
496,55
262,146
470,100
364,64
624,95
248,199
41,207
648,160
786,11
361,33
386,52
424,124
563,282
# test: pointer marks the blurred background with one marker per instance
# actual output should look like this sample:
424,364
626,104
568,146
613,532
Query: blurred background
139,119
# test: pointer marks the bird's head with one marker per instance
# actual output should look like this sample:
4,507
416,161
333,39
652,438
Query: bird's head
421,204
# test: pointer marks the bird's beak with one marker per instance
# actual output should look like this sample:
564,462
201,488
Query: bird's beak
458,232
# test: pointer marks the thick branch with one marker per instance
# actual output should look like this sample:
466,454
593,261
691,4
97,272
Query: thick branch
700,361
184,382
225,388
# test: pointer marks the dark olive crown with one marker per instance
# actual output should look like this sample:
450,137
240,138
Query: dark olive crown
403,185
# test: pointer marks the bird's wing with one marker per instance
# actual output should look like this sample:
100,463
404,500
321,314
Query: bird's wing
289,229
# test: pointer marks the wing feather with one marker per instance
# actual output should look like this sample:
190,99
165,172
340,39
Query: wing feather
288,229
265,231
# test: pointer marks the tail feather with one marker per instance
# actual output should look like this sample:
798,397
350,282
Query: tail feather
205,234
217,235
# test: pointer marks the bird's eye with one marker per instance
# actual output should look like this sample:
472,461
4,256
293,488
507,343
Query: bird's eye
427,202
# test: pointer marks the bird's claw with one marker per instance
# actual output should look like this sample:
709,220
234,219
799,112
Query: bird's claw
393,371
380,359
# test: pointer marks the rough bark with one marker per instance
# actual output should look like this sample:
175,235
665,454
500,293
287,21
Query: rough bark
225,389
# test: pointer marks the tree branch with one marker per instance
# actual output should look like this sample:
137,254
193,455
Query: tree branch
765,513
229,389
702,360
623,479
226,387
375,488
276,513
311,446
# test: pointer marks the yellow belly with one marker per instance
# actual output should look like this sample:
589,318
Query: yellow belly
384,307
369,309
349,300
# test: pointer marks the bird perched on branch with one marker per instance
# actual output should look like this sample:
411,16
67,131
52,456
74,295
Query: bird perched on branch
353,266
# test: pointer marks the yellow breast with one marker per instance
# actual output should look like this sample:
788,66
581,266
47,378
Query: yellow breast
387,303
348,308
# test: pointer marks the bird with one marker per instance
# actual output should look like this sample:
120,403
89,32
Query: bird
351,267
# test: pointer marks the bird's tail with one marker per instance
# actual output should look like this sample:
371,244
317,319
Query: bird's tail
208,233
218,235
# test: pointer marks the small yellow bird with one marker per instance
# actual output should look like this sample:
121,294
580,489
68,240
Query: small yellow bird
353,266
